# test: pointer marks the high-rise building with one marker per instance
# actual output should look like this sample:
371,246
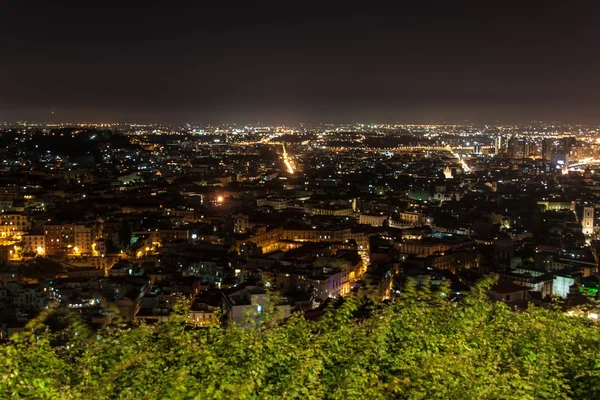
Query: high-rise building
530,149
547,149
516,148
560,159
498,143
567,143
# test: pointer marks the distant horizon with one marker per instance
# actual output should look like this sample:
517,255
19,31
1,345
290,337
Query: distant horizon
258,123
406,117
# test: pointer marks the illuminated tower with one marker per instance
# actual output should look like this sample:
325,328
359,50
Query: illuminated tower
498,144
530,150
447,173
587,222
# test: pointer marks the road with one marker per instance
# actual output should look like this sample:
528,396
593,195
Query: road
287,159
466,168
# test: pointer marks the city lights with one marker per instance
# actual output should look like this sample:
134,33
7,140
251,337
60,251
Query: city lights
248,201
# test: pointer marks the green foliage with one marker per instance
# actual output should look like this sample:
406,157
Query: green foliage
421,346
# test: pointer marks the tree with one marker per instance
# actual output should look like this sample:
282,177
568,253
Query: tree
420,346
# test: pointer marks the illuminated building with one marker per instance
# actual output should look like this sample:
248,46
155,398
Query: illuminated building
561,159
316,235
53,234
265,240
64,238
587,222
34,244
250,302
448,173
498,144
331,210
373,220
530,150
275,203
241,223
13,224
520,148
413,218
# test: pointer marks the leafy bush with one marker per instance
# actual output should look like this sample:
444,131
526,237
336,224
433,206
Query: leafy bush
417,347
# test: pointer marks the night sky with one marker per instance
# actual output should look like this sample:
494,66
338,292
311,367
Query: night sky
289,62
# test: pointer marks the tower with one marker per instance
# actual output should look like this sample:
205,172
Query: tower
547,149
587,222
567,143
498,144
529,150
517,147
447,173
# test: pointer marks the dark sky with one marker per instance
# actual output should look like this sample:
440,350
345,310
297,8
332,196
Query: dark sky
287,62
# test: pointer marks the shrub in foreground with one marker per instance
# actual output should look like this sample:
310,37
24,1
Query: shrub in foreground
417,347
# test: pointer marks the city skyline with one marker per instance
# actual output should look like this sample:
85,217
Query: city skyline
299,200
431,63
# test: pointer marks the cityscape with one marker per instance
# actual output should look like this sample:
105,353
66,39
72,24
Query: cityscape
249,202
143,215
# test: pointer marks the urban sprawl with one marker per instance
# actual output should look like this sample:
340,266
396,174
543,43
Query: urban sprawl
127,219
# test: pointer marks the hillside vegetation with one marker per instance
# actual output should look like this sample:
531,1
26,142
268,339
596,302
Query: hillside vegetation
417,347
